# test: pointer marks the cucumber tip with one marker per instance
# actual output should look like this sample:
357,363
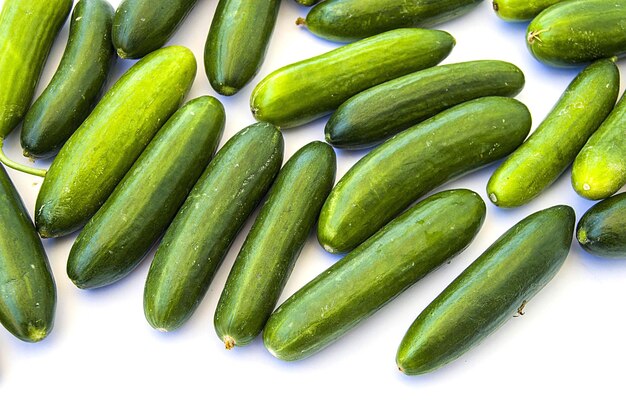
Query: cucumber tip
229,342
301,21
581,236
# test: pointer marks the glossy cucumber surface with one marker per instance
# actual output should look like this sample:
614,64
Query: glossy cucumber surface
602,230
520,10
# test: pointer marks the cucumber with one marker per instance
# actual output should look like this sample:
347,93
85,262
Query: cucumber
106,145
309,89
400,254
196,242
489,292
556,142
521,10
143,26
237,42
382,111
274,244
307,2
122,232
578,32
27,289
602,230
390,178
350,20
77,83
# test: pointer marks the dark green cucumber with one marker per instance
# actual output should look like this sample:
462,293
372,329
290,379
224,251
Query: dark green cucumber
143,26
199,237
142,206
554,145
574,33
489,292
237,42
106,145
307,90
274,244
27,290
77,83
390,178
602,230
521,10
361,283
382,111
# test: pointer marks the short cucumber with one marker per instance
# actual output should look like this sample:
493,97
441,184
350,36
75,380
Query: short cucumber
122,232
390,178
392,260
77,83
307,90
106,145
199,237
602,230
489,292
556,142
274,244
382,111
521,10
27,289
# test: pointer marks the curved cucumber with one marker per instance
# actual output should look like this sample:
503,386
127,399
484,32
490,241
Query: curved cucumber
199,237
390,178
489,292
361,283
602,230
382,111
556,142
122,232
77,83
307,90
520,10
106,145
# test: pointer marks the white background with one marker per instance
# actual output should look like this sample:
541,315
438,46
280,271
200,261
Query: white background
567,354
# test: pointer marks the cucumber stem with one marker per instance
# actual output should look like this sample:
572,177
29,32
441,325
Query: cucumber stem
17,166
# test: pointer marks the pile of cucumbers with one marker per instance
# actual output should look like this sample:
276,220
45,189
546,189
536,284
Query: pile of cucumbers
117,151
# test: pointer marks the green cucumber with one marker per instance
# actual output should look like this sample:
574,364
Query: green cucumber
143,26
382,111
274,244
521,10
309,89
554,145
602,230
196,242
122,232
27,289
77,83
307,2
489,292
400,254
390,178
237,42
106,145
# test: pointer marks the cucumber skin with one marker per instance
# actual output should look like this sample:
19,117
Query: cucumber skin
382,111
307,2
489,292
77,84
602,229
548,152
27,289
237,42
391,177
375,273
521,10
142,206
196,242
21,59
309,89
272,248
111,139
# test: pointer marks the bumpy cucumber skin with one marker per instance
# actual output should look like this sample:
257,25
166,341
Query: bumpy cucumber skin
237,42
143,26
272,248
602,230
77,83
489,292
307,90
390,178
199,237
27,289
521,10
574,33
105,146
382,111
375,273
122,232
554,145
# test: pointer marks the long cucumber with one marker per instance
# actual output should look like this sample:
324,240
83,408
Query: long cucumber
520,10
